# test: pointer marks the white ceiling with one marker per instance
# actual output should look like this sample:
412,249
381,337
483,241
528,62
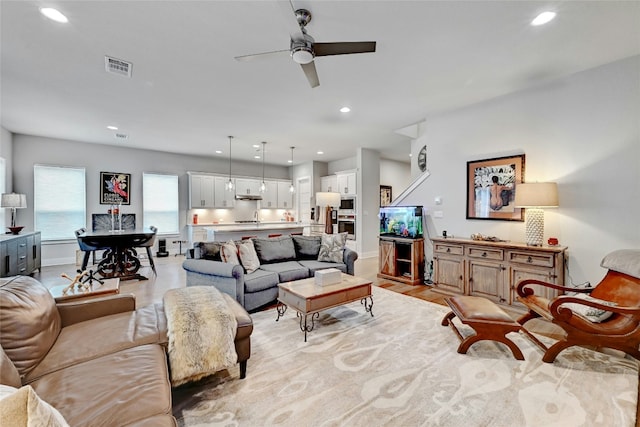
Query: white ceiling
187,92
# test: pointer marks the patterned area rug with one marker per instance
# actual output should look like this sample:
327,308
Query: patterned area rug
401,368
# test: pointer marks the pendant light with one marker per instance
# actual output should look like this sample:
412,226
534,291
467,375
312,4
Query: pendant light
263,186
291,187
229,184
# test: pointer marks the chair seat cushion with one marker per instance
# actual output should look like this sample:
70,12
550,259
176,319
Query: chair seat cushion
116,389
260,280
314,266
593,314
287,271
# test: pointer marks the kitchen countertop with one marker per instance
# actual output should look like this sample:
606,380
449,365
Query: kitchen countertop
249,226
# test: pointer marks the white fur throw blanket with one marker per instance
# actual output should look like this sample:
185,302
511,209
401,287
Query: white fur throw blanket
201,329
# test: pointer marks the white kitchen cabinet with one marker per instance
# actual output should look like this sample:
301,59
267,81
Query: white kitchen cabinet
329,183
201,191
270,196
223,198
346,183
285,197
247,186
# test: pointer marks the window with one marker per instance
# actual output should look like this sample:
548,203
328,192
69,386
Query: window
59,203
160,202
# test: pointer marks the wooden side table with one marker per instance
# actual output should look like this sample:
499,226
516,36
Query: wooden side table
110,286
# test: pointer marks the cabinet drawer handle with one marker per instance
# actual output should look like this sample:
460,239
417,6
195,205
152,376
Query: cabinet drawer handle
484,254
529,260
461,277
448,249
22,245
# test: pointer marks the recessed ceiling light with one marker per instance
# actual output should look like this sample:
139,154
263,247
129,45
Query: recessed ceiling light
218,152
255,146
543,18
320,152
410,155
256,157
112,127
345,109
54,15
289,161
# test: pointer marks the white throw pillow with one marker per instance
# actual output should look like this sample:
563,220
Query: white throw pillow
332,247
23,407
593,314
229,252
248,256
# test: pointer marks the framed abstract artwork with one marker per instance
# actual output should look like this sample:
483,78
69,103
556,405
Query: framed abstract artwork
492,186
115,188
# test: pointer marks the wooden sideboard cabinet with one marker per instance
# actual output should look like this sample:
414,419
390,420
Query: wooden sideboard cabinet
19,254
493,269
401,259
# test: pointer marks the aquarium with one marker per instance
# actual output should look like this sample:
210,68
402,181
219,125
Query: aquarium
401,221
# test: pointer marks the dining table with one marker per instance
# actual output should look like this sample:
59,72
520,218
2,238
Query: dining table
120,258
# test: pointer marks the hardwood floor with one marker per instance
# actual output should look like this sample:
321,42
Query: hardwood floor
171,275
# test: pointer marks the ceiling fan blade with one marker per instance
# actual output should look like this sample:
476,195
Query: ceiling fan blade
262,55
311,73
288,13
343,48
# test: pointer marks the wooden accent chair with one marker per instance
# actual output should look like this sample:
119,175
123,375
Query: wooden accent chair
621,286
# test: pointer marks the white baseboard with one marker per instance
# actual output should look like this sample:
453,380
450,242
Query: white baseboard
58,261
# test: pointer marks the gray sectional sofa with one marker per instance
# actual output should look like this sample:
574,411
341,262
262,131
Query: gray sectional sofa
282,259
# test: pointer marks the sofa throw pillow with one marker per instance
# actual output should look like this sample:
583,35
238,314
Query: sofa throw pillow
248,256
208,250
275,249
332,247
593,314
307,247
23,407
229,252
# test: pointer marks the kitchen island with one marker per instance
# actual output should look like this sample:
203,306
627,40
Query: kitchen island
236,231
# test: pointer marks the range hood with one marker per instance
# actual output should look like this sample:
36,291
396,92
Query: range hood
248,197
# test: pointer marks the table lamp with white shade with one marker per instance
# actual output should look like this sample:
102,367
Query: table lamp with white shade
14,201
534,197
329,200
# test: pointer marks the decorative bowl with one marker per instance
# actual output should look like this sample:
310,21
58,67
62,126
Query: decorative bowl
16,230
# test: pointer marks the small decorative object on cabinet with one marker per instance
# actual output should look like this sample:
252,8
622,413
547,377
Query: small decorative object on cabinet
493,269
401,259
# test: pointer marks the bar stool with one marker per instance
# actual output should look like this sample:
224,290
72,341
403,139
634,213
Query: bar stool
180,242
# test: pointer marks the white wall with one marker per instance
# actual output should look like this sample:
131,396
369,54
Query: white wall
368,202
6,152
581,131
30,150
396,174
349,163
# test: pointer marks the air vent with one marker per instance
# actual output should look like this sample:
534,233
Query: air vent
117,66
121,136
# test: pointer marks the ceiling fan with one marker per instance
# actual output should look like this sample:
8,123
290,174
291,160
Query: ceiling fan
303,48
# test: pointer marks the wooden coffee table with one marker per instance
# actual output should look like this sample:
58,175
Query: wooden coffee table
308,299
110,286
